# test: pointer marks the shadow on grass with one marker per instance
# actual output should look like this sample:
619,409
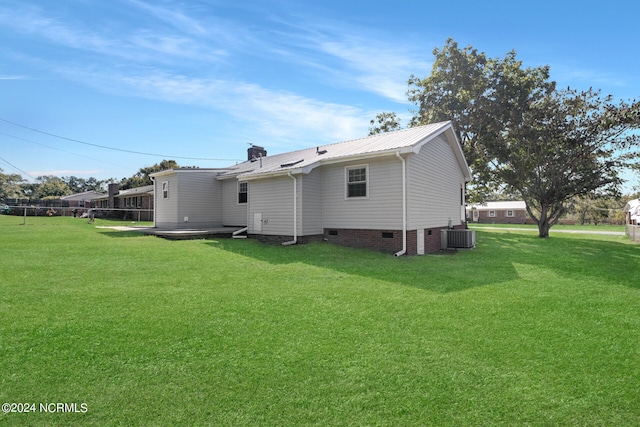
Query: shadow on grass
492,262
121,233
438,273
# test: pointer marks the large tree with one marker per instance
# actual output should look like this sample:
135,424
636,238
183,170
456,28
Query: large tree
517,130
480,96
567,144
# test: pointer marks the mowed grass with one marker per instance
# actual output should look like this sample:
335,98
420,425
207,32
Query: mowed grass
146,331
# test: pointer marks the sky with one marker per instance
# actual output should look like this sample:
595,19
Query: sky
103,88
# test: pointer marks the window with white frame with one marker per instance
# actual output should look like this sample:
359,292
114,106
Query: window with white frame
243,191
510,214
357,178
492,213
165,189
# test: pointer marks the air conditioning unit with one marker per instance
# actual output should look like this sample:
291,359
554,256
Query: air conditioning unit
457,239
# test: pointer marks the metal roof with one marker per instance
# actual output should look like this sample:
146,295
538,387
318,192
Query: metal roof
87,195
303,161
500,205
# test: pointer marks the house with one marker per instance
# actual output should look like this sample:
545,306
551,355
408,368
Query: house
632,212
391,192
81,200
501,212
133,203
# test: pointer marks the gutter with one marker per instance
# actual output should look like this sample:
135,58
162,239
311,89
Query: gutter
404,205
155,204
295,212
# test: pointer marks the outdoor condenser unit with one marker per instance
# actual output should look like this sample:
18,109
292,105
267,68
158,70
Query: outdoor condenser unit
457,239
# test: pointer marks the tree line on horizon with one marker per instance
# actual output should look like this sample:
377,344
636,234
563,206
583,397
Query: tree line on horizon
14,186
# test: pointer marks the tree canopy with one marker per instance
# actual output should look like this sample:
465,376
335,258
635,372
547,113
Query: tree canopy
517,130
384,122
142,177
11,186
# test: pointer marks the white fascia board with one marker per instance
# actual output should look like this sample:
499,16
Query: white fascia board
163,173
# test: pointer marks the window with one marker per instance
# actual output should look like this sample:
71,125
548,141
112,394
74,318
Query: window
357,181
492,213
510,213
165,190
243,188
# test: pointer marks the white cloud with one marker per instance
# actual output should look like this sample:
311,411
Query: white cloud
174,17
277,113
377,67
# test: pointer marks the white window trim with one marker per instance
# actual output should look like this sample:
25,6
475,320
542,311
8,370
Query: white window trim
165,189
510,214
238,193
492,214
346,182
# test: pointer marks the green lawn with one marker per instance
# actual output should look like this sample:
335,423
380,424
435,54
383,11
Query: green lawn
146,331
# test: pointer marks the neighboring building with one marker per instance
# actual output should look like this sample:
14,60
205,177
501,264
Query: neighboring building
632,212
134,203
82,200
502,212
391,192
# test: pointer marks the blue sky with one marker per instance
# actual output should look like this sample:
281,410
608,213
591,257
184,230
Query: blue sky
197,81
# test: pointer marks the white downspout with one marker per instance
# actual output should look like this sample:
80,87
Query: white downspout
154,201
404,205
295,212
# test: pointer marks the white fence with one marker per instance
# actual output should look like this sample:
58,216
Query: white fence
128,214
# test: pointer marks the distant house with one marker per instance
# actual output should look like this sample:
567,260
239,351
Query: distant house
134,203
632,212
82,200
391,192
501,212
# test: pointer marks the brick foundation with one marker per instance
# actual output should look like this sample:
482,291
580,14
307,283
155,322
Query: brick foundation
388,241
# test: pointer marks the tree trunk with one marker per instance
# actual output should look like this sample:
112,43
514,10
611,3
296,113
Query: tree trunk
543,223
543,228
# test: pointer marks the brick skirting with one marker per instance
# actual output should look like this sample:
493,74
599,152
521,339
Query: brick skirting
388,241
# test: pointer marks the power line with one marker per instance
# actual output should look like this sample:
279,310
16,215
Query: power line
57,149
16,168
112,148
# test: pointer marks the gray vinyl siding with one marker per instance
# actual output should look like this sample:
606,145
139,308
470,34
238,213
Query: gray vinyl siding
200,200
273,198
166,209
311,207
233,213
381,210
434,180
